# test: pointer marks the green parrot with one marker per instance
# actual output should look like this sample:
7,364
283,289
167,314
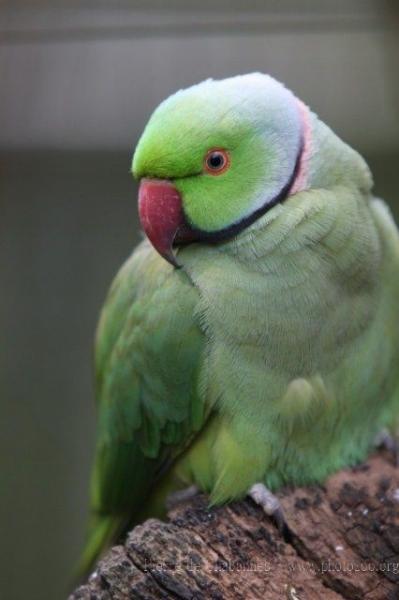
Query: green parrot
252,340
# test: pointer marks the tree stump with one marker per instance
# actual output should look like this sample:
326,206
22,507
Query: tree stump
342,542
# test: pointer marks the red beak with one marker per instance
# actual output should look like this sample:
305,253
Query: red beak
161,215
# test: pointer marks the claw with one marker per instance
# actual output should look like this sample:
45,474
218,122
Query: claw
270,504
384,439
180,496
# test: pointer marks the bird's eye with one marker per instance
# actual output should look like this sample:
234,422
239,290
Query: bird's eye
217,161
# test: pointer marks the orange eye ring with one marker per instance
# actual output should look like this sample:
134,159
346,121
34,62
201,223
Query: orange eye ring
216,161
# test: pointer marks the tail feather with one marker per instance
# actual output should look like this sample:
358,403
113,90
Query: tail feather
103,531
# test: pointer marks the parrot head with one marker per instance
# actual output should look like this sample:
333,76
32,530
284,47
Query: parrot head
215,157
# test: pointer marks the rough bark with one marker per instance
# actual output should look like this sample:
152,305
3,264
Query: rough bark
342,542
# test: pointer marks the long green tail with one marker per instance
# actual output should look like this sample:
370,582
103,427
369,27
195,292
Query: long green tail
103,531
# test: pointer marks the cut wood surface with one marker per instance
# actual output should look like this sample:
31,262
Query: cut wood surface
342,542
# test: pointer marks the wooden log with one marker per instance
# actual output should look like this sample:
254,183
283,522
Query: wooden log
342,542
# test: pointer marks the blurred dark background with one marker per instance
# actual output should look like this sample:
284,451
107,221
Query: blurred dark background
78,81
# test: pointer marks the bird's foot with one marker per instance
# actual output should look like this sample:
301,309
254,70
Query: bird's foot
386,440
270,504
180,496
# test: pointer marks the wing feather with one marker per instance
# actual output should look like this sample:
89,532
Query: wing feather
148,359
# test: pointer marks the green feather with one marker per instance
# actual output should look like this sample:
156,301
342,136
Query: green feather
147,355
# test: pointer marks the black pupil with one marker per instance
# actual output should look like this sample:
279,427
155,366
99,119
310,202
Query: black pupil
215,160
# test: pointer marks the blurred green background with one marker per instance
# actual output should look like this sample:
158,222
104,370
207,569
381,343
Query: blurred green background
78,81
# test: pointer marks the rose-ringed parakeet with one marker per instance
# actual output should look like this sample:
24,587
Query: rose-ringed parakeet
253,339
